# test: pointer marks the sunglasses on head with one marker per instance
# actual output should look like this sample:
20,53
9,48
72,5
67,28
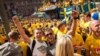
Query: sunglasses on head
48,34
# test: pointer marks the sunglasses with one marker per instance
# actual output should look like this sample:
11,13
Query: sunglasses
48,34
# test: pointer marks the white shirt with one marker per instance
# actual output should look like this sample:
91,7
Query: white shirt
39,49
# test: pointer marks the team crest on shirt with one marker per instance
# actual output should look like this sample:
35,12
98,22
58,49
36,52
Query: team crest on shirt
98,50
42,49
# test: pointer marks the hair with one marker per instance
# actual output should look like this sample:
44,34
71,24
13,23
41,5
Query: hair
60,25
48,29
40,29
91,25
64,47
14,35
37,29
88,14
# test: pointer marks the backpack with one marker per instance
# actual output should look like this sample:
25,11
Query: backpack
10,49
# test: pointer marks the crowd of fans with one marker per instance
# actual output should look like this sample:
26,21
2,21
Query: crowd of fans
80,36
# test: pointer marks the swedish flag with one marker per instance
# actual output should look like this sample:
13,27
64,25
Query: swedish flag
62,13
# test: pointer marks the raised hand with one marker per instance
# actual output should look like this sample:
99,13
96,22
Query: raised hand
20,29
15,19
75,14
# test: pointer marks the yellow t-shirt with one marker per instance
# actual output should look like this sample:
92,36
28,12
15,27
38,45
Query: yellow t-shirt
30,30
77,40
85,24
55,30
60,34
93,44
33,26
78,29
49,25
38,25
24,48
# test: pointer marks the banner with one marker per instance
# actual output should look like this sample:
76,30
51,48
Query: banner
82,8
86,7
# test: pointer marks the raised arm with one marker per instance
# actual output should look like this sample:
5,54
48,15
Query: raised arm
74,23
20,29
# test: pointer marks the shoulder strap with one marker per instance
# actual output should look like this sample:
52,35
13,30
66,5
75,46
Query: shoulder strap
29,53
33,45
46,42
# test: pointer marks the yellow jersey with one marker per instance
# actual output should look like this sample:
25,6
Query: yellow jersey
60,34
55,30
77,41
85,24
37,25
33,26
24,47
93,44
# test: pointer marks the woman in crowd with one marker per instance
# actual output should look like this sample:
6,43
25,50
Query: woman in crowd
64,47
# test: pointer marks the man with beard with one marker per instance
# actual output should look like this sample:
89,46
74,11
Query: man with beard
92,43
